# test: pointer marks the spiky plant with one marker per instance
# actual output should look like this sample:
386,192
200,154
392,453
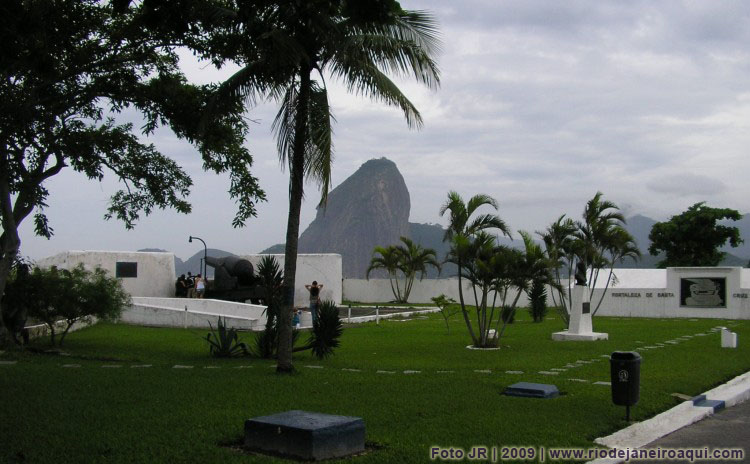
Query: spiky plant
327,330
224,342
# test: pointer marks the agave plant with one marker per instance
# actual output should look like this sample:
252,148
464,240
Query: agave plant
224,342
327,330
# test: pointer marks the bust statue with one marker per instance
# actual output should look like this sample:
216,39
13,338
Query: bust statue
580,273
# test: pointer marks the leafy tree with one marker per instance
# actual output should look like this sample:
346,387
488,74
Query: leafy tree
693,238
463,226
53,295
408,259
68,67
14,310
290,47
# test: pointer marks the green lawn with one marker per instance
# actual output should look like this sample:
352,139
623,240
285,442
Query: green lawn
90,413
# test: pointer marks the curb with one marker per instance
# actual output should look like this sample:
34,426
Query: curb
641,434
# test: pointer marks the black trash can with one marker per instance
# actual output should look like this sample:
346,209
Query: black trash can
625,370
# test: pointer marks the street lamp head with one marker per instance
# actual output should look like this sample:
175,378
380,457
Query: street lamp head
190,240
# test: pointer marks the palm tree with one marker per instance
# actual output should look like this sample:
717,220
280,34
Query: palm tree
560,249
408,259
460,231
597,242
389,260
620,246
414,259
601,218
358,43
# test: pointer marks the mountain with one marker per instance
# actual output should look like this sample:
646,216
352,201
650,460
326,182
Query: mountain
369,209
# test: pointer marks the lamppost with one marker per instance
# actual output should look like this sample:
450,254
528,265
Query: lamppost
205,252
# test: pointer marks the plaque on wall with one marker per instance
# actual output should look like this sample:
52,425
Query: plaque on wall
703,292
126,269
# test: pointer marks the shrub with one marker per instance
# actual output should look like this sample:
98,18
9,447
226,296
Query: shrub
270,278
538,301
508,314
51,295
447,307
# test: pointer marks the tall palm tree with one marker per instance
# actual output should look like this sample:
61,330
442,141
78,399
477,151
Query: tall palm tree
461,229
601,218
560,249
295,45
597,242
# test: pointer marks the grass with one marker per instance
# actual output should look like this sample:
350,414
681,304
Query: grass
160,414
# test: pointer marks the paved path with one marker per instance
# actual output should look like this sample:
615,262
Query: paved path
729,428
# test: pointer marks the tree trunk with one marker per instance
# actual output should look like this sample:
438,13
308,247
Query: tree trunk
296,192
10,243
463,305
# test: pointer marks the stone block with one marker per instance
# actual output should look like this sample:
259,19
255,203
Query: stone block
532,390
306,435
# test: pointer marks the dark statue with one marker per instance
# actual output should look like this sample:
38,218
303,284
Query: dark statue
580,273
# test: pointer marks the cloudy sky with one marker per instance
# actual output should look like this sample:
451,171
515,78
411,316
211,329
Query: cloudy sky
542,103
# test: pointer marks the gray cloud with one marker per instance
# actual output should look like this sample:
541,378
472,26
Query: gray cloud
542,104
687,185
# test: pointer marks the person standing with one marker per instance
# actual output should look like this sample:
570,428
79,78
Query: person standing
181,287
200,286
314,290
190,284
295,319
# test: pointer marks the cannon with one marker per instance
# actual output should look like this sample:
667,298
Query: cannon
234,280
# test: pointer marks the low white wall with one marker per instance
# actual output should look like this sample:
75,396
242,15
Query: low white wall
325,268
172,312
155,271
379,291
634,292
170,317
206,305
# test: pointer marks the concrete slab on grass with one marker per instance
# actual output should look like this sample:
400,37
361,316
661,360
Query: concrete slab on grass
306,435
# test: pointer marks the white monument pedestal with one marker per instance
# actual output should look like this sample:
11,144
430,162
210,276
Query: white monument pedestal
728,338
580,327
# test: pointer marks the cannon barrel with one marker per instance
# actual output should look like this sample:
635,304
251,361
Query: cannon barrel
233,266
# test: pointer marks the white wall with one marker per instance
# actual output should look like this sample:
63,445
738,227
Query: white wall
156,275
206,305
635,293
379,291
323,267
664,301
162,316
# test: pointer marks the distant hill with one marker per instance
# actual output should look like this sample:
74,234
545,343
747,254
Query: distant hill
640,227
